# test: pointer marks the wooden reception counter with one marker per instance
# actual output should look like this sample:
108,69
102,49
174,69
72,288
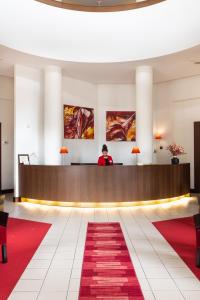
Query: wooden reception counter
79,185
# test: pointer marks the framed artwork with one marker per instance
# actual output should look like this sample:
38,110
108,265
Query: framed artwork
23,159
78,122
120,126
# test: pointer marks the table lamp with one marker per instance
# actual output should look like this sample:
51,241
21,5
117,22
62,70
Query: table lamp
135,151
63,152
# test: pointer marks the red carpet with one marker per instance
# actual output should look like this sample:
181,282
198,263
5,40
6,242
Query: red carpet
23,239
107,272
180,234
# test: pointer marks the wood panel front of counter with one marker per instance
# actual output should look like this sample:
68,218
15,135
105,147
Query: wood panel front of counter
103,184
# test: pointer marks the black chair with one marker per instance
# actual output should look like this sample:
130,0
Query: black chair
197,226
3,235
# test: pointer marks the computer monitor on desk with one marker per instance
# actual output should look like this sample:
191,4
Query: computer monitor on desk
92,164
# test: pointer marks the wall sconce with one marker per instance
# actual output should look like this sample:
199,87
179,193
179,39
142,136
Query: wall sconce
158,137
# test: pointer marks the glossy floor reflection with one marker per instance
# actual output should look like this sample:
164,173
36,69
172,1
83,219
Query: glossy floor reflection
55,269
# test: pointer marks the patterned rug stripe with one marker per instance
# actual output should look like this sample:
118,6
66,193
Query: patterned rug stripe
107,271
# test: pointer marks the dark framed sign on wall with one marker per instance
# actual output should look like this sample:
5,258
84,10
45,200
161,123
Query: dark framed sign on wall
23,159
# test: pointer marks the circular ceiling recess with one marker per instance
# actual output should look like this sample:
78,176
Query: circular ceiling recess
100,5
67,35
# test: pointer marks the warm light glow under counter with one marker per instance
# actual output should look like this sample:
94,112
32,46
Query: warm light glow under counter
77,185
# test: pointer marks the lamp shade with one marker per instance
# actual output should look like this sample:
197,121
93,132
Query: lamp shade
64,150
135,150
158,136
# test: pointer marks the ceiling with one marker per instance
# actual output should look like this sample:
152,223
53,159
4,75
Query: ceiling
102,48
66,35
166,68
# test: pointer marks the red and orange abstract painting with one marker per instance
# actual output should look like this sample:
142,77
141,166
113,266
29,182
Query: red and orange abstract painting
78,122
120,126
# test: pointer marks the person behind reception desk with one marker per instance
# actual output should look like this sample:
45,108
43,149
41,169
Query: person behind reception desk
105,159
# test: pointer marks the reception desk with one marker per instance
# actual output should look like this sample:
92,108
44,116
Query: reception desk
85,185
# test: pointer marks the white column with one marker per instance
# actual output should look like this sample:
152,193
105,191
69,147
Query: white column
53,115
28,117
144,114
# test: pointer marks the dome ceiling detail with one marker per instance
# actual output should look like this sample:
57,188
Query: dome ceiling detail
67,35
100,5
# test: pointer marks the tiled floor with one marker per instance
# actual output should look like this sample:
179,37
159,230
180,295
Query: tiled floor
55,269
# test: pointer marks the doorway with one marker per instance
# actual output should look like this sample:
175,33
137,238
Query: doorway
197,157
0,158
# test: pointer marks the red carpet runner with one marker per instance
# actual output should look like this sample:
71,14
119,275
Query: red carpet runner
24,238
180,234
107,272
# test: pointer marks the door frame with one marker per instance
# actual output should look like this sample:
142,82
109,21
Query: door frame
0,158
196,157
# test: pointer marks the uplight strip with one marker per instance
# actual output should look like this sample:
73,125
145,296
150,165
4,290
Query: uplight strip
103,204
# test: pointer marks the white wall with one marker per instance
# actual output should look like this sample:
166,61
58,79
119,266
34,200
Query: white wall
115,97
7,127
28,115
177,106
101,98
81,93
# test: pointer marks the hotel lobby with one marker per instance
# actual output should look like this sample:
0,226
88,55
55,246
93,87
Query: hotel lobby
99,147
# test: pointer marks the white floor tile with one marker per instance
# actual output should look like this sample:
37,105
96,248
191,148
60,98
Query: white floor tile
144,284
162,284
52,295
188,284
156,272
34,274
77,264
74,285
76,273
61,264
56,280
55,270
168,295
174,263
191,295
148,295
72,296
39,264
28,285
180,272
42,255
23,296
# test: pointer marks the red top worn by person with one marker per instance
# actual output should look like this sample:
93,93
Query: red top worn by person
105,159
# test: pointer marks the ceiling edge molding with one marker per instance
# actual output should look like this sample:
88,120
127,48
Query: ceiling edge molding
114,8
